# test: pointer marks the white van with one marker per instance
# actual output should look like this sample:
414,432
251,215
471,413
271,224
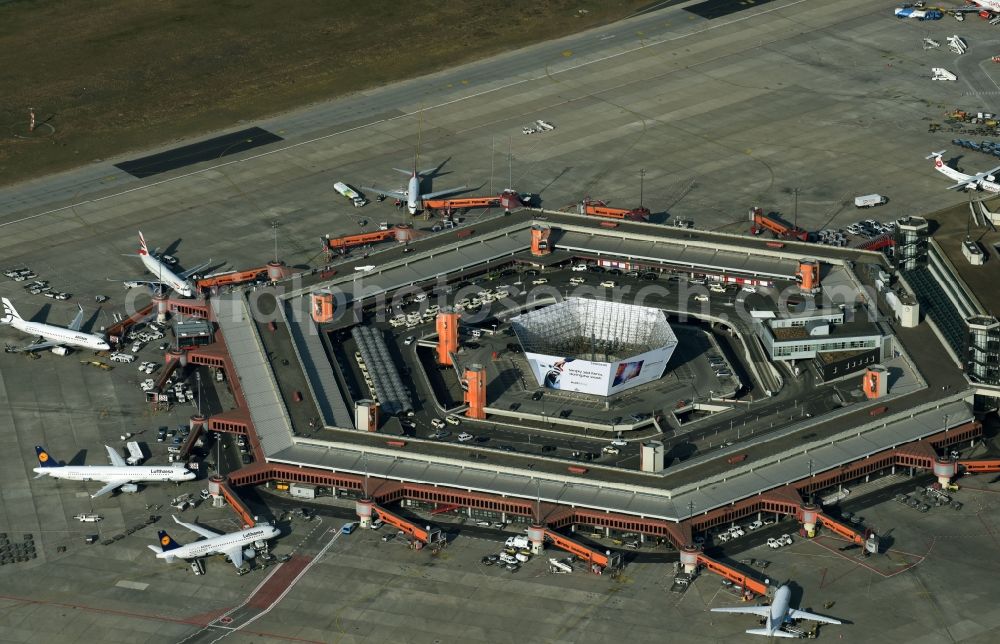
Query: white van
122,357
869,201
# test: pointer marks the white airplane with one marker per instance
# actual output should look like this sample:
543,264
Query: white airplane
930,43
777,614
50,336
979,5
164,276
942,74
115,475
957,44
981,181
230,544
412,195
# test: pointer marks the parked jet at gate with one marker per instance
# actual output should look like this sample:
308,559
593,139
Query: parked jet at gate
115,475
164,277
414,199
978,5
230,544
777,614
981,181
50,336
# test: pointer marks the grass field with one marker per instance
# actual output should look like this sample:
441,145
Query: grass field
109,77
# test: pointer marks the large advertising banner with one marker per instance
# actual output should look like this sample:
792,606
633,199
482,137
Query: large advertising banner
570,374
638,370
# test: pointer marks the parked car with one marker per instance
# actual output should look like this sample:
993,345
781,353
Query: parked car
437,423
452,419
465,437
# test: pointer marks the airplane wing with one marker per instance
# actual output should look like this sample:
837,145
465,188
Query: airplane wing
77,321
767,633
760,611
111,485
191,271
205,532
389,193
132,280
235,555
813,617
38,345
441,193
115,458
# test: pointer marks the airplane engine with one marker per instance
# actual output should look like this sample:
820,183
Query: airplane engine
60,351
249,553
129,488
990,178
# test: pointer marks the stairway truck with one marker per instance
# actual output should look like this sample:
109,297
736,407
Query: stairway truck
869,201
350,193
135,455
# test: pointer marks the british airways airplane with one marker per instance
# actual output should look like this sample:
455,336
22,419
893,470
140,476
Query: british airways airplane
164,276
414,199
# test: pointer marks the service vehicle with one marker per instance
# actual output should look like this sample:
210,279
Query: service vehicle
869,201
349,192
608,284
452,419
88,518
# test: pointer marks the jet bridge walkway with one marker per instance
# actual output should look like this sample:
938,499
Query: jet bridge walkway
593,557
426,535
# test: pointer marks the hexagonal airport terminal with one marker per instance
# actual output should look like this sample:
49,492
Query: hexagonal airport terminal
595,347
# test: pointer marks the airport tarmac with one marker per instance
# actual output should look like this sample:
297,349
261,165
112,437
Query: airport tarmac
720,114
925,589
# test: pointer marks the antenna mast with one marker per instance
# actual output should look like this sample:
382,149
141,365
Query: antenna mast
510,168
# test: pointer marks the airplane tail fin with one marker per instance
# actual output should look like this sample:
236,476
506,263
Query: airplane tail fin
9,312
143,250
167,542
44,458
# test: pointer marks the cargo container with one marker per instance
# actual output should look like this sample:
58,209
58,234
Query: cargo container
301,491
